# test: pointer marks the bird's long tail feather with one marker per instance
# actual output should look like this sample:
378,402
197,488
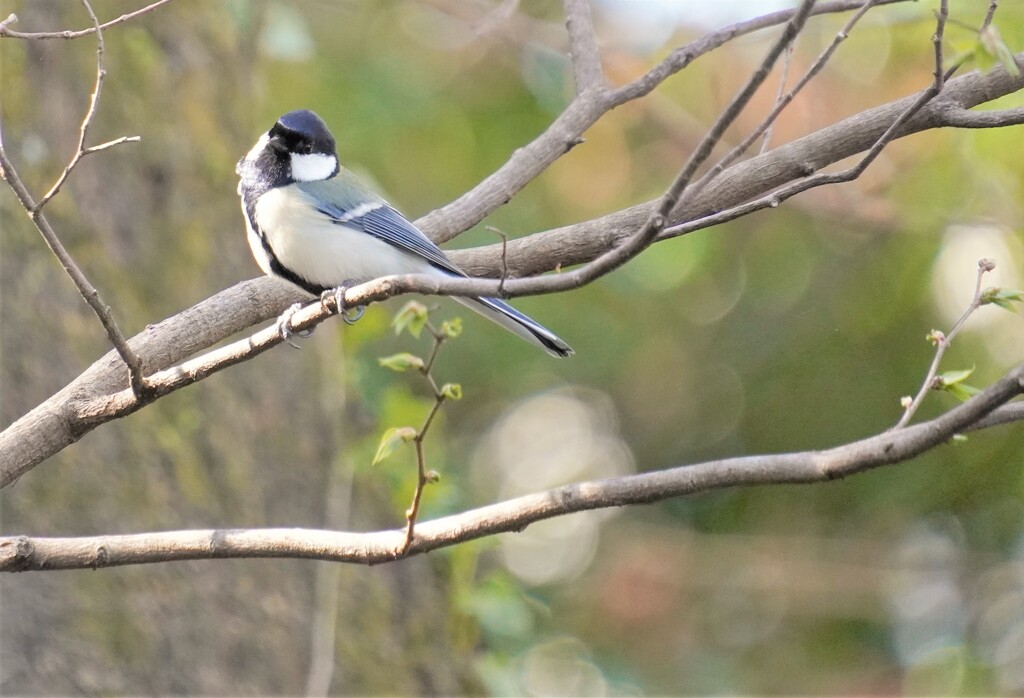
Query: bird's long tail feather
502,313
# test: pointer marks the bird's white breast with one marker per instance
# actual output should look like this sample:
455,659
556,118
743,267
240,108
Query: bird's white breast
309,244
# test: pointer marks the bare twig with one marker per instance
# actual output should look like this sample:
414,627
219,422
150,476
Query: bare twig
83,130
787,59
993,5
111,144
942,343
20,553
85,288
68,34
504,259
965,118
35,212
655,222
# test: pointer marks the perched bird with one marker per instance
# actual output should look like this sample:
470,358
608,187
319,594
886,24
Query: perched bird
312,222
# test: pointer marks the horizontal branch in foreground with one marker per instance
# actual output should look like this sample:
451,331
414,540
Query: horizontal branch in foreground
20,553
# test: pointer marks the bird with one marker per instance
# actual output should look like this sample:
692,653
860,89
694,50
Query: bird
314,223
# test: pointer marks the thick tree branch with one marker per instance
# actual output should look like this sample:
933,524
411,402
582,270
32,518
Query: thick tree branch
20,553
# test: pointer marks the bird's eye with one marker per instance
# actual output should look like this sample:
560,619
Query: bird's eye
306,148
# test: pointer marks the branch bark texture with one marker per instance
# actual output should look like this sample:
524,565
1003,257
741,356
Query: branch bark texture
21,553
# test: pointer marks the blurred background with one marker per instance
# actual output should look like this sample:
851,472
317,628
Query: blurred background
795,328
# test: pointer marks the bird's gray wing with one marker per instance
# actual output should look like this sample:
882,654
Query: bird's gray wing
347,201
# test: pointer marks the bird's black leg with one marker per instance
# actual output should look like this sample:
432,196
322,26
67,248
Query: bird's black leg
284,326
349,315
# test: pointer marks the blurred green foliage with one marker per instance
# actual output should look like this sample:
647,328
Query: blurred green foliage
795,328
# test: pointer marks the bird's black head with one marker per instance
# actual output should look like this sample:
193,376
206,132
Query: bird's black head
302,132
298,148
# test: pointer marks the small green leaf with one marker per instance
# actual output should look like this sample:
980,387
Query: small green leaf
433,477
412,317
945,380
452,328
452,391
1003,297
401,362
392,439
995,51
982,57
962,391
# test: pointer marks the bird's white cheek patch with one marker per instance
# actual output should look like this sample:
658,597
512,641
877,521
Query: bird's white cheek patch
312,167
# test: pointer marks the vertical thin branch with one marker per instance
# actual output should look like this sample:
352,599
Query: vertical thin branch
583,50
990,15
787,59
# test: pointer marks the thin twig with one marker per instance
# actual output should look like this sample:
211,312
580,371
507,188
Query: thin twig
35,211
787,59
965,118
504,259
993,5
942,344
67,33
94,101
111,144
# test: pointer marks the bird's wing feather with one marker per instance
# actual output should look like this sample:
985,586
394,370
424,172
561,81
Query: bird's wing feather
346,201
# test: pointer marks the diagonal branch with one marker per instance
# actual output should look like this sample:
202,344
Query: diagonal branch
35,213
20,553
